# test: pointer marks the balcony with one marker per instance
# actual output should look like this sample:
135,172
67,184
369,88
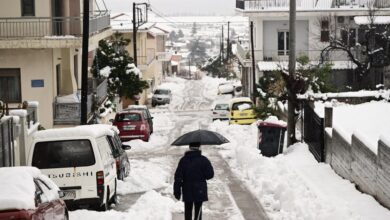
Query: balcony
51,27
67,110
256,5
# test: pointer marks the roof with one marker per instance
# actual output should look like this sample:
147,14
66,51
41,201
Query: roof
365,20
92,131
17,187
276,65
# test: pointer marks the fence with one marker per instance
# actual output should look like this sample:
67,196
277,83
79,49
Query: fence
7,156
313,127
50,26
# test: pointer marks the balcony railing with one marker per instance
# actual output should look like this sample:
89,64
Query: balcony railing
70,113
35,27
253,5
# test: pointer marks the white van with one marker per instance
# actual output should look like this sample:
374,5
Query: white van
79,160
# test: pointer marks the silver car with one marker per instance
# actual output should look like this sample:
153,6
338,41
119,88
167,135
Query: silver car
220,111
161,97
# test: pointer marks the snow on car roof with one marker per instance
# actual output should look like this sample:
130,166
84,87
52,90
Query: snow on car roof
94,131
240,99
17,187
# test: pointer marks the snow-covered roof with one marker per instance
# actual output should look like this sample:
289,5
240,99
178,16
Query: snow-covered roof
365,20
276,65
18,189
92,131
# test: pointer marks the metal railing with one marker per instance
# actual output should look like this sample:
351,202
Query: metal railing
70,113
7,155
35,27
284,4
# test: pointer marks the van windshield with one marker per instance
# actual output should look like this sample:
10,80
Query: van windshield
222,107
59,154
161,92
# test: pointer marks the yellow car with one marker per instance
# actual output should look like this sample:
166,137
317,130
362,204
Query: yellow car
241,111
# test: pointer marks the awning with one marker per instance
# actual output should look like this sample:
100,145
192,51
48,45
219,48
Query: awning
364,20
277,65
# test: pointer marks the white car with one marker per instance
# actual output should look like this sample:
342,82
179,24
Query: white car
220,111
225,88
161,96
80,161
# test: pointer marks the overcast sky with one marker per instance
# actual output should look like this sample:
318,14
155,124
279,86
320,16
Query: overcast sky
179,7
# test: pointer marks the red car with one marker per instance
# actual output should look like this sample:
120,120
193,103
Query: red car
28,194
132,125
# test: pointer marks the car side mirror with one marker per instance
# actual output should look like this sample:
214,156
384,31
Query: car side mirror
126,147
61,193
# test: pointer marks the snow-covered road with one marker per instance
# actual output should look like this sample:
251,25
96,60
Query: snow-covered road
291,186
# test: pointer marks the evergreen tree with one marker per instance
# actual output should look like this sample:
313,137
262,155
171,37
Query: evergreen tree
173,36
112,61
180,34
194,29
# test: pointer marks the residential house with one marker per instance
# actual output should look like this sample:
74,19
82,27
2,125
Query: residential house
152,59
313,27
40,55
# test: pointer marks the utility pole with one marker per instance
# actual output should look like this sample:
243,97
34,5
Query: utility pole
291,70
222,46
253,66
228,42
189,68
84,64
138,20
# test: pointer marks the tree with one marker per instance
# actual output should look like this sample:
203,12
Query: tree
367,46
173,36
112,61
194,29
274,86
180,34
197,52
217,68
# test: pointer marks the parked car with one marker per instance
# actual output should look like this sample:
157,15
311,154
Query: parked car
241,111
221,110
79,160
146,111
161,96
28,194
132,125
225,88
120,156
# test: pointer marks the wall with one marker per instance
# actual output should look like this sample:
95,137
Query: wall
356,162
13,8
271,29
34,64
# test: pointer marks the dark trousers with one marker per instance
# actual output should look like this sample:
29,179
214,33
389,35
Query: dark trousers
188,210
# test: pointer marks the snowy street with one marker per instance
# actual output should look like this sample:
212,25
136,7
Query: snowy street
290,186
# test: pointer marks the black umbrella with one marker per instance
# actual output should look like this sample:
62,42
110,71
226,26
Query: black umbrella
204,137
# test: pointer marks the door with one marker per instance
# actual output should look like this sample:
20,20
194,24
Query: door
58,21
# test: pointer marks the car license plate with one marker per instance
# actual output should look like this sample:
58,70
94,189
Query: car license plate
69,195
243,114
223,115
128,128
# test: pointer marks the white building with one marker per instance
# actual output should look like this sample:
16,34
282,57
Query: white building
314,21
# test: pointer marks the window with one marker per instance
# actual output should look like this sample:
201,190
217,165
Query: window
242,106
10,85
283,46
128,117
28,7
325,31
59,154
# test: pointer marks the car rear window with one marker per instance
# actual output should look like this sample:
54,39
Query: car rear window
244,105
128,117
59,154
222,107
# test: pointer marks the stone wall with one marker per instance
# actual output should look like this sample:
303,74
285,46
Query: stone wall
357,163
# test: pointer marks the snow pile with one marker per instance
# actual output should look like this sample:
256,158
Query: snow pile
18,112
145,176
72,98
367,121
384,94
244,106
293,185
150,206
17,189
105,72
176,85
211,86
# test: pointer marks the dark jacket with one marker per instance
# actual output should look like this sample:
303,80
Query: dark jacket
191,175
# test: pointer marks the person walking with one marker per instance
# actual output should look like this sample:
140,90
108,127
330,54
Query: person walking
190,180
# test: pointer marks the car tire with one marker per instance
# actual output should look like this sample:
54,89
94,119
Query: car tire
121,175
66,217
